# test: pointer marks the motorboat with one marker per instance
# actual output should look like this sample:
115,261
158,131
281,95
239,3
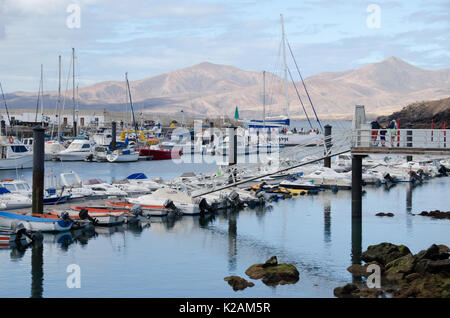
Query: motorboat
328,178
10,200
78,150
147,210
52,148
103,218
35,222
181,200
73,185
102,189
14,155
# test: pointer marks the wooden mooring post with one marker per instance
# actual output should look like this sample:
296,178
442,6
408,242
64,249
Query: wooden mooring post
38,170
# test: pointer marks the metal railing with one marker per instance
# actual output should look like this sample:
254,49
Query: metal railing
402,138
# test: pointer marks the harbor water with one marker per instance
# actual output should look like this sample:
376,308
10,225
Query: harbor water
190,256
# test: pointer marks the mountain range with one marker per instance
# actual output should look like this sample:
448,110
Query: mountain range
213,90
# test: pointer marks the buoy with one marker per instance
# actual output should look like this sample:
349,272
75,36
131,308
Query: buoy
11,139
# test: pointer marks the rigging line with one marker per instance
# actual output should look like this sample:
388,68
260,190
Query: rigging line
303,82
7,112
303,106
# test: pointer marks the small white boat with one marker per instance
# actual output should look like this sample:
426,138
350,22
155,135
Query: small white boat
102,218
14,155
34,223
102,189
328,178
181,200
14,200
123,155
52,148
78,150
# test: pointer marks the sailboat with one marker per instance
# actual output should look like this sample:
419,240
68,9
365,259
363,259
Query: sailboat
53,147
282,124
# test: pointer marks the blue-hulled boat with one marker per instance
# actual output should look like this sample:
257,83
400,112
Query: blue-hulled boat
43,223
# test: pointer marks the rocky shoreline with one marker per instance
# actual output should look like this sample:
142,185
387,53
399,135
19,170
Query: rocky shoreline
403,274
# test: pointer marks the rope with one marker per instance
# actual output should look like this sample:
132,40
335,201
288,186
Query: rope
295,86
303,82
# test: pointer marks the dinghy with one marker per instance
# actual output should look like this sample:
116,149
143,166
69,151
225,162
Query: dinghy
147,210
35,223
100,218
181,200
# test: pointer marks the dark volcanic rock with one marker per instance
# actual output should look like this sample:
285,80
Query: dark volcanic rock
353,291
271,262
385,214
273,274
384,253
436,214
238,283
425,274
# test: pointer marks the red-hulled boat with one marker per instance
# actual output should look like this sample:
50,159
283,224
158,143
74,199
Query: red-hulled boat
159,154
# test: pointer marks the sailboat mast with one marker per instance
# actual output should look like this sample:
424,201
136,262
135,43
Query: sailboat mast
131,105
264,100
73,93
59,99
285,66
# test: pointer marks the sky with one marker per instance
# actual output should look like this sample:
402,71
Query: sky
149,37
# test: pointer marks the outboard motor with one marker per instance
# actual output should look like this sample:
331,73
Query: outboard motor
234,199
443,171
84,215
21,231
170,205
389,178
204,206
136,210
414,178
260,197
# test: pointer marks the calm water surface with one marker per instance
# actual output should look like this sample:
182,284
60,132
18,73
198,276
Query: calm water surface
190,257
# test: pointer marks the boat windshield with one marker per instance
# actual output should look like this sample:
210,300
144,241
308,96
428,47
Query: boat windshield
10,187
77,146
19,149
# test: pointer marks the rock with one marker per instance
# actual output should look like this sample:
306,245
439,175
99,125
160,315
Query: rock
238,283
281,274
436,214
255,271
350,290
357,269
400,267
426,286
409,278
273,275
361,270
271,262
422,266
384,253
434,252
439,266
385,214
